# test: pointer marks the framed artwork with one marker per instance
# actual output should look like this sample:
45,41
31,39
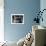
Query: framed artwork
17,18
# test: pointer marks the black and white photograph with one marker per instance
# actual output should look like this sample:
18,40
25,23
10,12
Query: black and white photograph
17,18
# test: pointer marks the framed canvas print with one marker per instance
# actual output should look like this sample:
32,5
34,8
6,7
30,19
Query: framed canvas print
17,18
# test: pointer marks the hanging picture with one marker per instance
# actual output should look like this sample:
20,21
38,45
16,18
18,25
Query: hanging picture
17,18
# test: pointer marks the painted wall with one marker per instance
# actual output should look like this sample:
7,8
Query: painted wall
1,20
13,32
43,6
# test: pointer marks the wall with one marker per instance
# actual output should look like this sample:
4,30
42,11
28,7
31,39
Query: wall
43,6
1,20
13,32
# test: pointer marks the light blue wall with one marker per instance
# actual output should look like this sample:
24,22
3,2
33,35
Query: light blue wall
43,6
26,7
